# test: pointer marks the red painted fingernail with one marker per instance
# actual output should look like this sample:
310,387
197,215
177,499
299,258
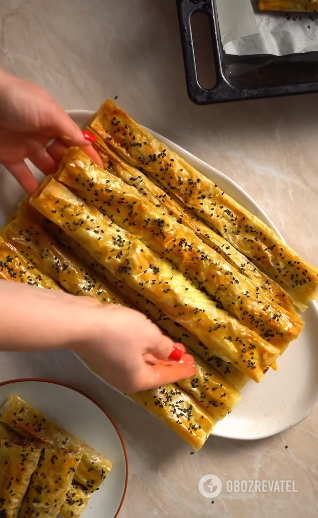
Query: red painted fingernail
176,354
89,136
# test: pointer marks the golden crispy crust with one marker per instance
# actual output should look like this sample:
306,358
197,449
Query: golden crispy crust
288,5
143,270
93,467
76,501
17,464
237,225
207,269
179,411
14,267
173,207
50,483
210,389
53,259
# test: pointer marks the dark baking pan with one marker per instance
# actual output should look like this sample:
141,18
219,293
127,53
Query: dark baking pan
242,77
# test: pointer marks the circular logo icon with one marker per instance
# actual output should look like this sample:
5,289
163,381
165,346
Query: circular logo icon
210,486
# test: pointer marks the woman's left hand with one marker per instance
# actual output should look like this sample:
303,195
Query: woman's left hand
29,119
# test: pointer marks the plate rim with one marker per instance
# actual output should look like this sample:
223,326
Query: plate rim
79,391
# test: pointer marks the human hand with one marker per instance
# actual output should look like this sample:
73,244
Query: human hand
128,351
29,119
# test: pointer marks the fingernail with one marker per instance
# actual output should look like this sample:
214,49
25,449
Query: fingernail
65,137
176,354
89,136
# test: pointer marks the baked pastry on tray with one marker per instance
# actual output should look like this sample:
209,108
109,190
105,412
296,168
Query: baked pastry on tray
288,5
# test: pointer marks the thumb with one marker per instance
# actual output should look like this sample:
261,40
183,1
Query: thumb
157,375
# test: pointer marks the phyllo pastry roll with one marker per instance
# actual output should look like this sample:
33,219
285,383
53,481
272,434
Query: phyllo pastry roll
14,267
208,387
143,270
206,268
236,224
17,464
288,5
179,411
173,207
93,467
43,252
76,501
50,483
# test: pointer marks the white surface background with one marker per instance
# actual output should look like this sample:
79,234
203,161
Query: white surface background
84,51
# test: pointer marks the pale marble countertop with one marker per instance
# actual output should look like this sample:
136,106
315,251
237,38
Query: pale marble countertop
83,52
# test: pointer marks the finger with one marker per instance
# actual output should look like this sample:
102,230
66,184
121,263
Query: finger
43,161
187,358
23,175
62,126
157,375
57,150
92,153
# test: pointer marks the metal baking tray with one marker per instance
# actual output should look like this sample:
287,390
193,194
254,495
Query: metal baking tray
242,77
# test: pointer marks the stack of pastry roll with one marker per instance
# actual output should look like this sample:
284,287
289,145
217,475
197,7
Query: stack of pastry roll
44,470
220,212
150,232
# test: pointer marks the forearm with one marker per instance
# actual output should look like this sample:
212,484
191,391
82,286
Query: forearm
35,319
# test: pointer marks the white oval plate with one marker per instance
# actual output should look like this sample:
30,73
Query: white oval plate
77,413
283,398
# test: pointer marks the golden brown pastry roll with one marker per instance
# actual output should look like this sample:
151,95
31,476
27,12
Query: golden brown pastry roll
55,260
237,225
179,411
93,467
14,267
173,207
177,243
210,389
143,270
17,464
50,483
76,501
288,5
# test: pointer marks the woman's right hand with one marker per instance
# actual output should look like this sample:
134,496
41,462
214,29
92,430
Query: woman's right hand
128,350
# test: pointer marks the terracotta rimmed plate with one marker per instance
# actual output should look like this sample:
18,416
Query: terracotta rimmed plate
78,413
283,398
